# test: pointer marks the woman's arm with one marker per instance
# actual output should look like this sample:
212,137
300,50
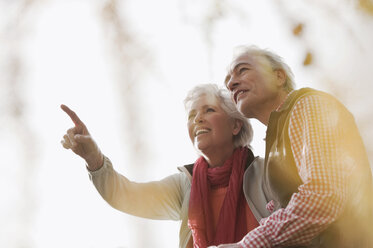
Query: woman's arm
155,200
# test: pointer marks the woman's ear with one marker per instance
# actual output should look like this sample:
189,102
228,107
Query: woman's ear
281,77
237,125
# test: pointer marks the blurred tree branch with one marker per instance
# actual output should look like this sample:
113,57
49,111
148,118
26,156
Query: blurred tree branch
14,114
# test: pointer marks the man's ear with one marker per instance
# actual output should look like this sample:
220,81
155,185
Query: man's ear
281,77
237,126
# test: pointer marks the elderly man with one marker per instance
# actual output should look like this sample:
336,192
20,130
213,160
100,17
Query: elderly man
316,184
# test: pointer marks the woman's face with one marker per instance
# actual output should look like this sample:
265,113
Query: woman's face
210,128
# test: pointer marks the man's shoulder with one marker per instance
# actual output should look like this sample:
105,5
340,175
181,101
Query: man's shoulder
315,102
312,96
307,92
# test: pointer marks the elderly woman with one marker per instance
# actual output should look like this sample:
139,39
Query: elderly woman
207,196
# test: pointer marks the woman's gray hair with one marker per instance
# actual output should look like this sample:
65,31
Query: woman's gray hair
275,61
245,136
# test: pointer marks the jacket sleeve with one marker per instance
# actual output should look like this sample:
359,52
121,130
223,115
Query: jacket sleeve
154,200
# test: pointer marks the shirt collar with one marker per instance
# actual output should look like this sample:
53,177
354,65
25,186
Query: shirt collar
282,103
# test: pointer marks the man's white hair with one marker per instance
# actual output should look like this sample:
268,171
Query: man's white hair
275,61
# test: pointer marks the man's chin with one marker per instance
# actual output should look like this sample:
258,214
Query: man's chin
240,107
243,110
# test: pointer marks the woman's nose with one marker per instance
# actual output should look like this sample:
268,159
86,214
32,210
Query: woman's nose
198,118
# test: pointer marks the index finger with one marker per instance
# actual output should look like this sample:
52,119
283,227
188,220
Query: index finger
74,117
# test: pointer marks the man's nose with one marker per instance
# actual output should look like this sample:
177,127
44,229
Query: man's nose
232,83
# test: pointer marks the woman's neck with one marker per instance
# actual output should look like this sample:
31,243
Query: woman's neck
217,157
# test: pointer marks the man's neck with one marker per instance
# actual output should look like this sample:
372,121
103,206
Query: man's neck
273,106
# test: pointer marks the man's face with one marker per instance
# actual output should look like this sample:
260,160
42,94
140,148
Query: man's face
252,83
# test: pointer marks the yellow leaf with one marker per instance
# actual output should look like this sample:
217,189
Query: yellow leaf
297,30
308,59
366,6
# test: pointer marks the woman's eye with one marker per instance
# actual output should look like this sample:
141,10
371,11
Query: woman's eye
191,116
210,110
242,70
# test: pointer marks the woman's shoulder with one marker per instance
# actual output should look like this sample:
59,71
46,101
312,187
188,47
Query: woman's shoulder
187,170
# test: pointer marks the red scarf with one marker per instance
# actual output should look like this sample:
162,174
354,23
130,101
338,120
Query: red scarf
231,226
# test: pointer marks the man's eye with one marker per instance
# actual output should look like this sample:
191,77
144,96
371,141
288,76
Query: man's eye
210,110
226,80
